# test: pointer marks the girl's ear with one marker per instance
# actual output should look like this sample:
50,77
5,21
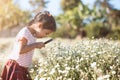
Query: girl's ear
38,25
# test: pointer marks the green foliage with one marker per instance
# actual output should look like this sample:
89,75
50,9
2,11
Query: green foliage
114,34
96,30
74,19
69,4
112,14
64,32
99,20
99,30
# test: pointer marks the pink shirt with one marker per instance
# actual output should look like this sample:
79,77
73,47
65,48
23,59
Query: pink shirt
25,59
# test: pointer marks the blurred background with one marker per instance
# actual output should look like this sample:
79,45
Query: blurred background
74,18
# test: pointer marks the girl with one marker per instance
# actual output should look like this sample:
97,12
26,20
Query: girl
21,57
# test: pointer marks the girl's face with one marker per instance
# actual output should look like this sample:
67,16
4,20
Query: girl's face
40,32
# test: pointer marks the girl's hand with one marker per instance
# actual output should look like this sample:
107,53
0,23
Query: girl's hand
40,44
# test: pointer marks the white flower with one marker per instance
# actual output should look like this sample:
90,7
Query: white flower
35,65
93,65
100,78
69,79
65,72
68,58
45,74
113,72
60,58
48,78
32,70
36,78
40,60
117,60
60,71
73,68
52,71
41,70
111,67
81,59
59,78
57,65
77,67
99,52
83,53
82,79
42,79
45,63
106,76
65,65
67,68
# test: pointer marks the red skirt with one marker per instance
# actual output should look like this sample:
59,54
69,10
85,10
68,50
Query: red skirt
13,71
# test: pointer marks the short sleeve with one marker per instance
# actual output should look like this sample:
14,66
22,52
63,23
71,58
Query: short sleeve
23,33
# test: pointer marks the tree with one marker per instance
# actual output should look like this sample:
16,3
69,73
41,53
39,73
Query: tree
11,15
69,4
73,17
38,4
112,14
97,22
111,18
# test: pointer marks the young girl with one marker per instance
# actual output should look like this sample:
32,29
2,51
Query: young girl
21,57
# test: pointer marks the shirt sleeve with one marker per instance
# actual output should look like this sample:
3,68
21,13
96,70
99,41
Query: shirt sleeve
23,33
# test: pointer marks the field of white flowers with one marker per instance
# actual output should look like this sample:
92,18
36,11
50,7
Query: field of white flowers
77,60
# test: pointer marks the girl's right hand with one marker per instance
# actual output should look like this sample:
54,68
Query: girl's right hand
40,44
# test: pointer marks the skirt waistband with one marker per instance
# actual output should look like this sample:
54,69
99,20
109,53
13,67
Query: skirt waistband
17,63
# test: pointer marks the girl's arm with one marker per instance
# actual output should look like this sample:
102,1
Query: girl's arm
23,47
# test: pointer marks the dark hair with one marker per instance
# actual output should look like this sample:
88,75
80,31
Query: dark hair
46,18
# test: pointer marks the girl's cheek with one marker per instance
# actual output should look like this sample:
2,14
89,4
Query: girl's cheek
41,35
38,35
